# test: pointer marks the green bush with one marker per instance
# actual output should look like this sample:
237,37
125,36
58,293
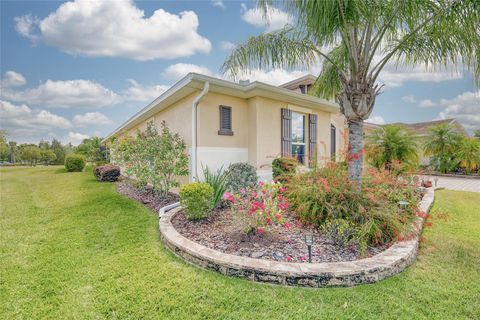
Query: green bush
74,162
283,167
218,181
327,194
241,175
342,233
196,198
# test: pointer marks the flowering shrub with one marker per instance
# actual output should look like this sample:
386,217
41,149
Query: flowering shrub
284,167
327,194
261,206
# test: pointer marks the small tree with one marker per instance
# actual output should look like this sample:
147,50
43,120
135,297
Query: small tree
390,144
31,154
47,156
442,144
59,151
469,154
4,149
153,158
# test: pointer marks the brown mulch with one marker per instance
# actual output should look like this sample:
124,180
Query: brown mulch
147,197
223,231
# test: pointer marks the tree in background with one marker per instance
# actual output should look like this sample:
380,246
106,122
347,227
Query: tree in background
47,156
4,149
13,151
391,144
59,151
442,143
476,134
468,154
31,154
92,149
356,40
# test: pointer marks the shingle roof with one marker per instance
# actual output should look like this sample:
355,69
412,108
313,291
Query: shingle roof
421,128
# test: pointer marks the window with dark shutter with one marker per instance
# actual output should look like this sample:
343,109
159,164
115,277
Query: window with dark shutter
225,121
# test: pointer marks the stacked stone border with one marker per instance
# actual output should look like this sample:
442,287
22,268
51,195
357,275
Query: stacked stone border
349,273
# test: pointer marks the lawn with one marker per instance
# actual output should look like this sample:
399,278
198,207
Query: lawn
72,247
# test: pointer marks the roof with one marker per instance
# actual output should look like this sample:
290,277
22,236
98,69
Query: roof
421,128
194,82
306,79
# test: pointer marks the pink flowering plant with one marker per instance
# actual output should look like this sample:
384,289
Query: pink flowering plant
261,206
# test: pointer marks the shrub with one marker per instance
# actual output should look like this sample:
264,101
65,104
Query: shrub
283,167
341,232
327,194
240,176
261,206
74,162
153,158
218,181
108,173
196,198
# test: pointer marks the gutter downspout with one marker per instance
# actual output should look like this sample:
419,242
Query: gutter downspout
196,101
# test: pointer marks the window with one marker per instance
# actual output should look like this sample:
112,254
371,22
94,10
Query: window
298,136
225,121
333,141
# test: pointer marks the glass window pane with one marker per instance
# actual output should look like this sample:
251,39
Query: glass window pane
298,128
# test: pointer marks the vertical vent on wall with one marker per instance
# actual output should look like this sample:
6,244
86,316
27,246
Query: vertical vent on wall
312,138
286,145
225,121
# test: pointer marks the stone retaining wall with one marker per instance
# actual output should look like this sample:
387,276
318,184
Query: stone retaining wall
385,264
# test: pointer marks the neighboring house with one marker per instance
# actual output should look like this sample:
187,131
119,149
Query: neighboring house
224,122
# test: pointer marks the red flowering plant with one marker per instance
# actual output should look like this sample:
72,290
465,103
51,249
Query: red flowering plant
261,206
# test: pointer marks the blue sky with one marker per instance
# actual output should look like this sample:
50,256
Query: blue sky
77,69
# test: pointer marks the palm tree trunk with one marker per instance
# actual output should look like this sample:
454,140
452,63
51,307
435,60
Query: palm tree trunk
355,152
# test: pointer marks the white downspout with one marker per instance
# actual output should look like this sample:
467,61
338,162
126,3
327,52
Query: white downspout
196,101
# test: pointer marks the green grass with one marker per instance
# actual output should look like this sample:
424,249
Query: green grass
72,248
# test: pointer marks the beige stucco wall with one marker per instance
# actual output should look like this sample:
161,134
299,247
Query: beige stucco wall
256,123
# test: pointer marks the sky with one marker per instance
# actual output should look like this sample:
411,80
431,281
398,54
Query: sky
72,70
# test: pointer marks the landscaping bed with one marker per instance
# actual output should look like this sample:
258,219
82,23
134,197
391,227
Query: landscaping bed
148,197
223,232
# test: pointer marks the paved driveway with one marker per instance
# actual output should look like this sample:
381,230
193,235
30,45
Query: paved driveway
454,183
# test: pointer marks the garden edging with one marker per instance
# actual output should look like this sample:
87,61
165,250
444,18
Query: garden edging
385,264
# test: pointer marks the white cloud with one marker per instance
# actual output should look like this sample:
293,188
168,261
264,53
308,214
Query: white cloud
13,79
393,77
465,108
138,92
179,70
21,120
276,18
409,99
25,26
75,138
116,29
427,103
91,118
376,120
65,94
218,4
227,45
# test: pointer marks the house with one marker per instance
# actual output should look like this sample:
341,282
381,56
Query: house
225,122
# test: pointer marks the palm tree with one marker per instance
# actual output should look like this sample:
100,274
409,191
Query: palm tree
355,40
392,143
469,153
442,143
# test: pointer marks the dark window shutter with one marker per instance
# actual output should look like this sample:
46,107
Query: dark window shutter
225,121
312,138
333,141
286,146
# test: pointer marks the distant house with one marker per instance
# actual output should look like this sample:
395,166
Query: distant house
421,129
225,122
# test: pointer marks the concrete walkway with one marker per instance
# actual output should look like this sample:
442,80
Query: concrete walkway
457,183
